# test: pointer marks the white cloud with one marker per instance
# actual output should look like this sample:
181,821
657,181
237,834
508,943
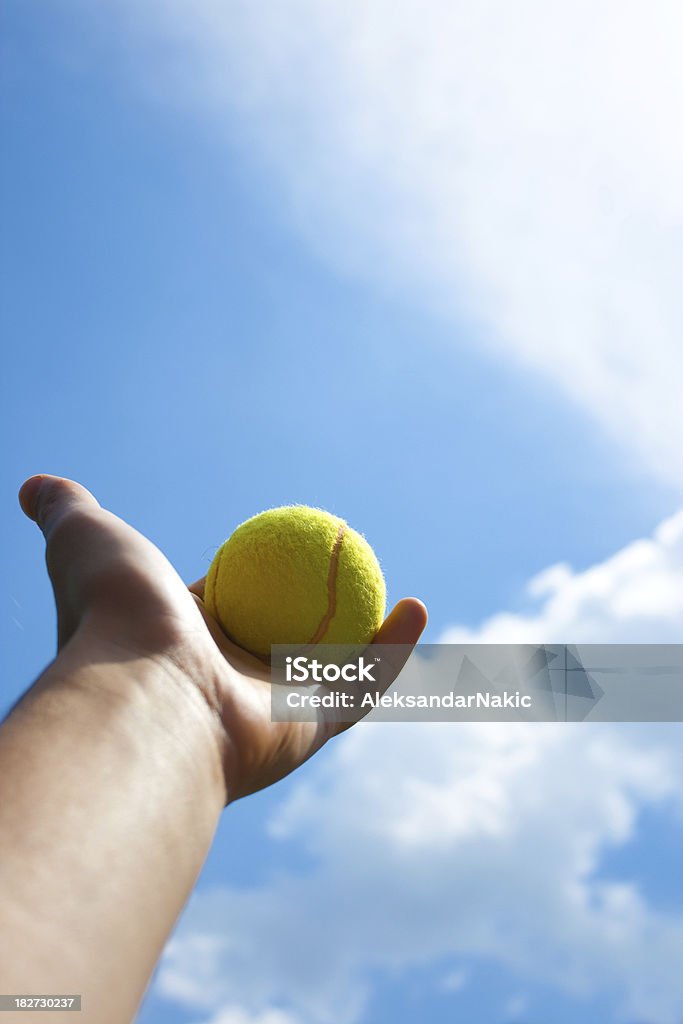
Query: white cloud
235,1015
634,596
436,842
525,893
516,165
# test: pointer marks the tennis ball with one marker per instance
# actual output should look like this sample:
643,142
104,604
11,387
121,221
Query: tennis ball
297,576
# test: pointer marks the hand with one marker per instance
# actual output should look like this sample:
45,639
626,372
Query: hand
116,592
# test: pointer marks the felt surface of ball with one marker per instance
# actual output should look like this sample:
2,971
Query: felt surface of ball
298,576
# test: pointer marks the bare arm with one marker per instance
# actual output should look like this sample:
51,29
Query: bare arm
111,785
116,764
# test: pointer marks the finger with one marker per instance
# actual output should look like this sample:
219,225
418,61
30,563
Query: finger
49,501
98,563
198,587
46,499
405,623
397,638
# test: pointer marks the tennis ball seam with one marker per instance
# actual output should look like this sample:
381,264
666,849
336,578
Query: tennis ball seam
332,571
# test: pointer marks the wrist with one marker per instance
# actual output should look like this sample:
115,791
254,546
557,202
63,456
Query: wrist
140,699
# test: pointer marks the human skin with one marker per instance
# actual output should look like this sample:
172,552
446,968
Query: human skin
118,761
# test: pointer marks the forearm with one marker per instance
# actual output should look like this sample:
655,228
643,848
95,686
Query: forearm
129,744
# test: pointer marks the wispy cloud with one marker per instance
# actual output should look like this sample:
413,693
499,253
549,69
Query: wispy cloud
636,596
489,845
517,166
236,1015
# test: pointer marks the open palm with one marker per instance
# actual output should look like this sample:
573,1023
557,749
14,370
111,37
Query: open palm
115,590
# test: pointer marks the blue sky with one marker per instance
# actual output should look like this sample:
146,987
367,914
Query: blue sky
194,341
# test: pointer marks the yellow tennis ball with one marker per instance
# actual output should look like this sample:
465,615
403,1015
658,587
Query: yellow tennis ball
297,576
